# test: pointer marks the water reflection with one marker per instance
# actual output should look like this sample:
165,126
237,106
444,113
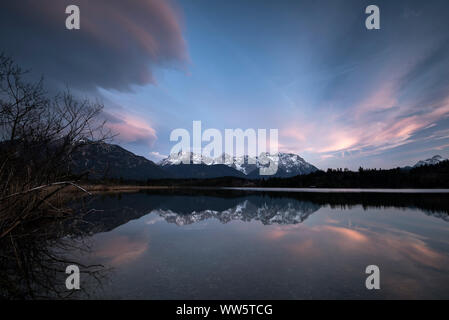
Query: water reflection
187,244
184,207
34,258
227,245
268,212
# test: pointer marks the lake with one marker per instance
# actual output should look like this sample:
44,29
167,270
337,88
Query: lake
231,244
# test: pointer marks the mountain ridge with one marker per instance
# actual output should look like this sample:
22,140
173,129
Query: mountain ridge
431,161
110,161
289,164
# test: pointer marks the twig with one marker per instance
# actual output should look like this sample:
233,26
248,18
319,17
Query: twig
45,186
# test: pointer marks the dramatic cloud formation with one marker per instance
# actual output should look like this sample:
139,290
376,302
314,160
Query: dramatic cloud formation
340,95
118,45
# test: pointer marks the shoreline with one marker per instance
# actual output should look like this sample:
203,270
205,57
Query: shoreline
115,188
343,190
134,188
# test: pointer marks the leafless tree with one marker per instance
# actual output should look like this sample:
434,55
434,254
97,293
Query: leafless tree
39,133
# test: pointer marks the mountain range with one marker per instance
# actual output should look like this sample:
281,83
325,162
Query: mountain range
103,160
288,164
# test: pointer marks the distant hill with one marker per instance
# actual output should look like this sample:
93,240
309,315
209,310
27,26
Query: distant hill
103,160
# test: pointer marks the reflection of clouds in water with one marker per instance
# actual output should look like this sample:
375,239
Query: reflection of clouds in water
330,220
346,234
413,249
406,259
287,241
398,245
120,249
338,237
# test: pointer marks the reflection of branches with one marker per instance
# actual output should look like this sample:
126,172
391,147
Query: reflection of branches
33,264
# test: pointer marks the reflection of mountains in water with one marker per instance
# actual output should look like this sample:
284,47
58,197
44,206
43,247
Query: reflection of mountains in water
188,206
437,214
268,211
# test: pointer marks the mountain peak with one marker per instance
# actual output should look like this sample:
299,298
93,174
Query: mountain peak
289,164
431,161
185,157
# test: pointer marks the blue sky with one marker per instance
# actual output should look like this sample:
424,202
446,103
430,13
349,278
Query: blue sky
340,95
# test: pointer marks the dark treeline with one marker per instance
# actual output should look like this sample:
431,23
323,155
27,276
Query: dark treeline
433,176
436,176
431,202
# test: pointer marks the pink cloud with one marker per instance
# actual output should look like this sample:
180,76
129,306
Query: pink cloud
388,113
382,98
361,129
130,128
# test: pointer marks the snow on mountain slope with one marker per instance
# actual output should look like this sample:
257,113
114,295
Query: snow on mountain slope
289,164
186,158
431,161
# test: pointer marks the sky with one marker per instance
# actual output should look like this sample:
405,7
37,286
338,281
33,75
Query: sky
339,94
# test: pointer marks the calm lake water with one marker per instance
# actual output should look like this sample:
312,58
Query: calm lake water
242,245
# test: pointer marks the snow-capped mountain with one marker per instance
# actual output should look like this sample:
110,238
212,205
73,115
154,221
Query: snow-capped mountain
186,158
429,162
288,164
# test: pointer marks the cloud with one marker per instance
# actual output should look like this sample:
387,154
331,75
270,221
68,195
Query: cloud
156,156
129,128
119,44
398,108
